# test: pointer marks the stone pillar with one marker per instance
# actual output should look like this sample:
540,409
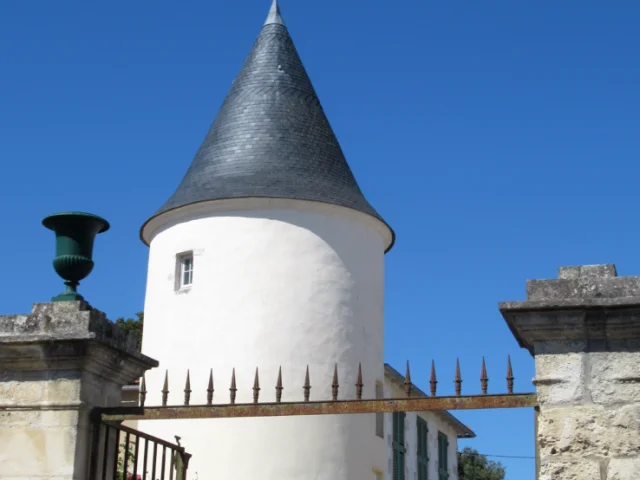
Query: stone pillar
584,331
56,364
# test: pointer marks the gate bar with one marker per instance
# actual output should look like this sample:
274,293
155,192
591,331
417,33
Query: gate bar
336,407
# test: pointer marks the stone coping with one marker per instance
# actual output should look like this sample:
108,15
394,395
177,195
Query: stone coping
587,303
58,321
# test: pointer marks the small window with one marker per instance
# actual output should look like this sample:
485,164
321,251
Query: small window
184,271
379,416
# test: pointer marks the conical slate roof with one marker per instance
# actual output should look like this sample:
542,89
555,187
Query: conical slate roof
271,137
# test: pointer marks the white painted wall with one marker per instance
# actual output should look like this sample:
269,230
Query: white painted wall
435,424
276,282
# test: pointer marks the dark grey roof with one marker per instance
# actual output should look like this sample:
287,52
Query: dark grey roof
271,137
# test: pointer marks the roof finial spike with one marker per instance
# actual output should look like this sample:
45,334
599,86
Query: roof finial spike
274,16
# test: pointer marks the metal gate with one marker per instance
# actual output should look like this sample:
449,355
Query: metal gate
123,453
410,403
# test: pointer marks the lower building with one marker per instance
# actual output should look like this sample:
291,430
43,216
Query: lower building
419,445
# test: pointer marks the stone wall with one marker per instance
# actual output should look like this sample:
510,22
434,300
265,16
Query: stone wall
584,331
58,363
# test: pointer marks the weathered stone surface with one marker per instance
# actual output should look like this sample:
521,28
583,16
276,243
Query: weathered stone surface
587,271
586,281
624,469
584,331
58,363
38,451
589,431
65,320
586,303
614,377
560,378
570,469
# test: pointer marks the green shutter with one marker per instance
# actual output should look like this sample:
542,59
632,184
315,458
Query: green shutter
443,456
398,446
423,448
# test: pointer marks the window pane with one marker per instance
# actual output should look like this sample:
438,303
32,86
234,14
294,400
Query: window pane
187,271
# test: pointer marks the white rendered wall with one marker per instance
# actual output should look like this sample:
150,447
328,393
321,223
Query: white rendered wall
435,424
282,283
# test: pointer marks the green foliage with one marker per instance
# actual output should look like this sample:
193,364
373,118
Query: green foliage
120,467
474,466
134,326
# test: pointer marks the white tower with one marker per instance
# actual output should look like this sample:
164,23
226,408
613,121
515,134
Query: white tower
268,255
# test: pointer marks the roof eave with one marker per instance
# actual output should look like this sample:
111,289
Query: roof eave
392,233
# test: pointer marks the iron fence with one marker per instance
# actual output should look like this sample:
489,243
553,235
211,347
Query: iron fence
411,402
123,453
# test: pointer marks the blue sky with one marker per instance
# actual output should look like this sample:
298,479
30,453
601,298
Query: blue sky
498,138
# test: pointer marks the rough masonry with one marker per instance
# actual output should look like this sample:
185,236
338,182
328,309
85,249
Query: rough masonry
58,362
584,331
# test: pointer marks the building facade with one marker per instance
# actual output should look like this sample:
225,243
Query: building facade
419,445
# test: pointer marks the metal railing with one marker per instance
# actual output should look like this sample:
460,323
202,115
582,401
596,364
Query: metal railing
414,401
123,453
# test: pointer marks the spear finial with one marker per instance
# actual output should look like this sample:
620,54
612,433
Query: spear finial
433,382
408,386
210,388
359,384
458,379
187,389
509,375
256,387
165,389
484,380
279,386
143,391
307,385
334,384
233,388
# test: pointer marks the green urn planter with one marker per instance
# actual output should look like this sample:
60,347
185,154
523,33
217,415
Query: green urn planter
75,233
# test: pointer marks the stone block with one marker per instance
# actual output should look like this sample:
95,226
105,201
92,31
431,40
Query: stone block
21,393
588,281
570,469
42,452
23,451
45,390
589,431
559,378
614,377
58,418
587,271
624,469
18,419
62,390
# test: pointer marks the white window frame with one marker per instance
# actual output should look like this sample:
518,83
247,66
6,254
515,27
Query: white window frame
184,270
